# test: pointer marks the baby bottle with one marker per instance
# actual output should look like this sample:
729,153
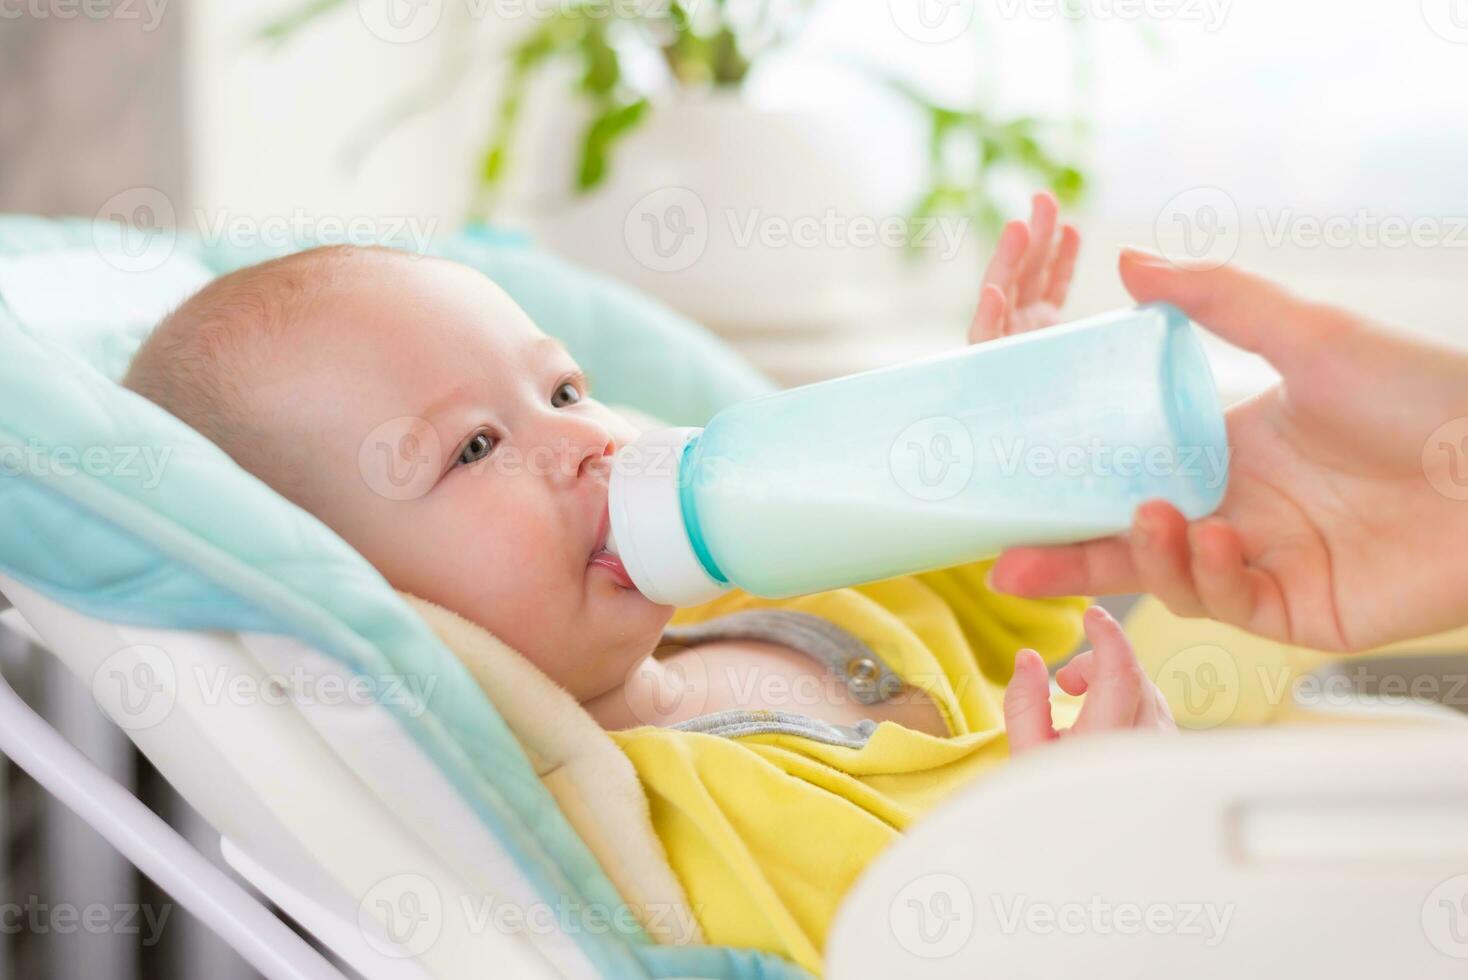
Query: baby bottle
1046,437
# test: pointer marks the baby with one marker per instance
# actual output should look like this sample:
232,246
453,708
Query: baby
416,410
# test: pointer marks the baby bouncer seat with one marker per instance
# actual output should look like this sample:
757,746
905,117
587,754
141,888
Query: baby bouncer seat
362,780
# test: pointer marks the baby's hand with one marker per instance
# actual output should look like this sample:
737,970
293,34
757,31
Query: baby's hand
1118,694
1029,275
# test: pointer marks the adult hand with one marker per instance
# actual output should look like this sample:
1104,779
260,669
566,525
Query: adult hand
1345,523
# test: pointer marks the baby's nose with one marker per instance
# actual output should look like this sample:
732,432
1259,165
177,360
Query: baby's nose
597,462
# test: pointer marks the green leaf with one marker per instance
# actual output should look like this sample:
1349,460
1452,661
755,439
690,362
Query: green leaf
1069,184
279,30
604,130
602,68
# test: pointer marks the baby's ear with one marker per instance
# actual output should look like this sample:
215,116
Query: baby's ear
642,421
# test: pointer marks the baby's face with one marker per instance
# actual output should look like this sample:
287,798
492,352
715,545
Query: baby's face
451,442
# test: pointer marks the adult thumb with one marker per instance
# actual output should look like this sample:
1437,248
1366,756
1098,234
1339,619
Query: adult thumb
1248,311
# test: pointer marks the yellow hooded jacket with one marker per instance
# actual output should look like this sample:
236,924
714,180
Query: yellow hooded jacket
767,831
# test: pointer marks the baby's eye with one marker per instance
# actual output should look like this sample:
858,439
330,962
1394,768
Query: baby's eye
477,448
569,390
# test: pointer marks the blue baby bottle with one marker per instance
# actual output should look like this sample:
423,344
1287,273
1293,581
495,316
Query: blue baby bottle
1048,437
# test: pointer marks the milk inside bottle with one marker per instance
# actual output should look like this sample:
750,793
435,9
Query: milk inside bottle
1043,438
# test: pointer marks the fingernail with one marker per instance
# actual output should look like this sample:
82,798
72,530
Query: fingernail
1142,256
1141,532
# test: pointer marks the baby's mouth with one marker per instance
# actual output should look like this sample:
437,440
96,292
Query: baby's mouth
602,557
612,564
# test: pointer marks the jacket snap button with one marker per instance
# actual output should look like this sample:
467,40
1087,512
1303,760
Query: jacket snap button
863,673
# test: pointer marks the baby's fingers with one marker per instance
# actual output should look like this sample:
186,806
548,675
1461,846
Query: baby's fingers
1027,718
1035,272
1115,686
988,322
1153,710
989,318
1075,676
1062,270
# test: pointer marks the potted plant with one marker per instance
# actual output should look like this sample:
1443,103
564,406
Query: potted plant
655,167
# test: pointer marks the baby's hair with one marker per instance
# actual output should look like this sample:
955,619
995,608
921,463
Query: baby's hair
202,360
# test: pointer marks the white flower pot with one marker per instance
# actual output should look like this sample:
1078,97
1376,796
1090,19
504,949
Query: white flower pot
752,220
